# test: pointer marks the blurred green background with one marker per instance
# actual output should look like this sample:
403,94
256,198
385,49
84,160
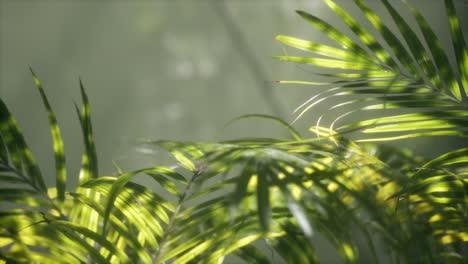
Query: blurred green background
161,69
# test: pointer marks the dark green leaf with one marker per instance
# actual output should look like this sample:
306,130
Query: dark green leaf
459,45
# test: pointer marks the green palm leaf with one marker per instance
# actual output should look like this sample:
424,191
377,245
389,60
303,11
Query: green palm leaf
432,91
363,35
60,166
89,166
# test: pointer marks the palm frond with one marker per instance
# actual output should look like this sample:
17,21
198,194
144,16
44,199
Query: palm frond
318,186
422,86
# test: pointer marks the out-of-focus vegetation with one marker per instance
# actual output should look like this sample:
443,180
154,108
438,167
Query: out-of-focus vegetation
231,199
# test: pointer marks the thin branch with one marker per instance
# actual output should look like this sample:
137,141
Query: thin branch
240,44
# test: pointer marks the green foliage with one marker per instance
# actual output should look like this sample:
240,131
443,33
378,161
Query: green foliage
225,198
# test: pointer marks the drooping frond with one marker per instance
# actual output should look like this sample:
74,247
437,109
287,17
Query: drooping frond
298,188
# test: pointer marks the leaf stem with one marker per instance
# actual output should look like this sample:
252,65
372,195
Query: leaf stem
164,239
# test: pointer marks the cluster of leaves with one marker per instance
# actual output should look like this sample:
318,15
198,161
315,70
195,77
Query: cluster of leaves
223,199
